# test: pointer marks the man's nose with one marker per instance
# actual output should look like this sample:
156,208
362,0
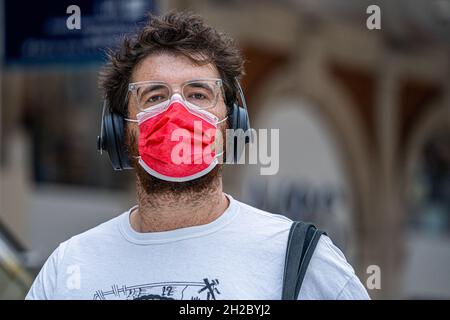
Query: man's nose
176,96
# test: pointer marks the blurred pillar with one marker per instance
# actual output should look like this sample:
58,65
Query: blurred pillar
387,206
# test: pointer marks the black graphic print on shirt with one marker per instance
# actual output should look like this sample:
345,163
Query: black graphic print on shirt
204,290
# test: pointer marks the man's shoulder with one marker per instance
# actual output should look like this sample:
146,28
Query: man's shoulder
99,234
330,276
260,216
264,231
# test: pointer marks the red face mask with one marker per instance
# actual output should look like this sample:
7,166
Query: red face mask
177,143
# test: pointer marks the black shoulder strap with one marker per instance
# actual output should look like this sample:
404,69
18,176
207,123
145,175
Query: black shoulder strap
303,238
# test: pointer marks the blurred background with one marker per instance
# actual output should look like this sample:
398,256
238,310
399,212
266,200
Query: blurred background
364,119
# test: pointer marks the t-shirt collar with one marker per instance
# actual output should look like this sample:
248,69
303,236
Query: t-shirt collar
162,237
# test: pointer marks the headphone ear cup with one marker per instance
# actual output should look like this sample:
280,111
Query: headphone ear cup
239,121
122,154
113,141
239,118
234,116
109,141
243,122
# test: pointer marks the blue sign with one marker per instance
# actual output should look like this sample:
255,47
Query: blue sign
68,31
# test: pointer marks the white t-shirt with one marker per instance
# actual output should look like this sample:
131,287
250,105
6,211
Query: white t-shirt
240,255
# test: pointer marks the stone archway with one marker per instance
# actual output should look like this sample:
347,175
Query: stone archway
426,219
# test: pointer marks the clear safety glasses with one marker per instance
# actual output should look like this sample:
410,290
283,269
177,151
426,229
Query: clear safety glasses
202,93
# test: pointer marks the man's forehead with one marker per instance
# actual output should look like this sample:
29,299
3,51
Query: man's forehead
172,68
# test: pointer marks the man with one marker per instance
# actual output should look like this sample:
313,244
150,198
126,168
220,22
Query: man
185,239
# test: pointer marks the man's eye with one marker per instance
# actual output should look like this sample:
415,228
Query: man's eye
153,99
198,96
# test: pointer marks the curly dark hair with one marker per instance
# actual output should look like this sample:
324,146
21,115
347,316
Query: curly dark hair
175,32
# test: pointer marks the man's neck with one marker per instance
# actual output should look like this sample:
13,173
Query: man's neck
164,212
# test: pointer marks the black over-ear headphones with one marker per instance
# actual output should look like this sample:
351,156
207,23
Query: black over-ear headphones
112,135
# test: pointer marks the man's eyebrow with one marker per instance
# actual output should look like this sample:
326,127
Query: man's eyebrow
200,85
150,87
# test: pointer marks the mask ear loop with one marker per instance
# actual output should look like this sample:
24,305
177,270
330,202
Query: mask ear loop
223,120
223,152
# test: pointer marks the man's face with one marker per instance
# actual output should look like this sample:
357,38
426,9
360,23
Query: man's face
174,70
